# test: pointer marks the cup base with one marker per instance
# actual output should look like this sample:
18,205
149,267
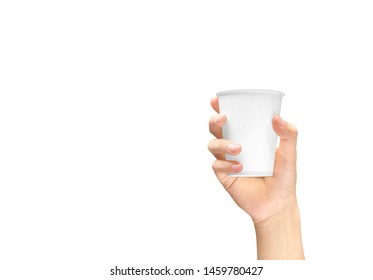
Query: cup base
253,174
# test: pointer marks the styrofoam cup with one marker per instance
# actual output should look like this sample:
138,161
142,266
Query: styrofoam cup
249,123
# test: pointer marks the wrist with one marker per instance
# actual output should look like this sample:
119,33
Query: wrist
283,213
279,236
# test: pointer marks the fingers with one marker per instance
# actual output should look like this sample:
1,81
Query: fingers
220,147
215,104
288,134
224,166
286,131
215,124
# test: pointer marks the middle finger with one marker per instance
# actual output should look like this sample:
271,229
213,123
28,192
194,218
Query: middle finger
220,147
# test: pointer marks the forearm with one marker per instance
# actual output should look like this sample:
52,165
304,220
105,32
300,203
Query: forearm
279,237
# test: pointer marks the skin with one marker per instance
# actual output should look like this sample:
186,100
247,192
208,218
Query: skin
271,202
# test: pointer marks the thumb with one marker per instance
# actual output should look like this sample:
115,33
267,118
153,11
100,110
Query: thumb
288,134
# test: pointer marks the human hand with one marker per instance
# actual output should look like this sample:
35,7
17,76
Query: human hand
270,201
260,197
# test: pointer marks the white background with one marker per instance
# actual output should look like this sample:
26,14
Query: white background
104,109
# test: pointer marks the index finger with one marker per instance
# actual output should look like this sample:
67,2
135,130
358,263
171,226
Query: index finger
215,104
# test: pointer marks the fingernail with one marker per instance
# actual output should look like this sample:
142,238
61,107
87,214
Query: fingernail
282,123
232,148
236,167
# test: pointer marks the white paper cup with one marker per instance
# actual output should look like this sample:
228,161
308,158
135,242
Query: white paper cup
249,123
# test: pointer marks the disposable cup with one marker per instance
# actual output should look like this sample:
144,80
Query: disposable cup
249,115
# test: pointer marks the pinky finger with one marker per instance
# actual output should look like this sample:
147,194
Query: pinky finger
225,166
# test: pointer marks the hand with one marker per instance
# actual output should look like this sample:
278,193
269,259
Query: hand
270,201
260,197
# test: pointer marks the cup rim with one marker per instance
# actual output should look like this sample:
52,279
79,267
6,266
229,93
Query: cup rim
250,91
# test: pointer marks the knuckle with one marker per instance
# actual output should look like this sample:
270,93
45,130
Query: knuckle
212,119
214,165
293,131
211,123
211,129
210,145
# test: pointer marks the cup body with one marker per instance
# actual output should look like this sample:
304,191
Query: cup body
249,123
